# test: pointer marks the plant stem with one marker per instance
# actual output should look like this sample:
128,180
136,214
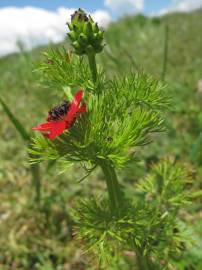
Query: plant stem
36,182
113,186
141,261
93,67
144,262
165,56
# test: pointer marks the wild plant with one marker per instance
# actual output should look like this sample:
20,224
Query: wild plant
102,123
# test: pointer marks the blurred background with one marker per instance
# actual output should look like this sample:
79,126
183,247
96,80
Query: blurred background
163,38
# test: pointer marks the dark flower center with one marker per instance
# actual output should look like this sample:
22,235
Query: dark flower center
58,112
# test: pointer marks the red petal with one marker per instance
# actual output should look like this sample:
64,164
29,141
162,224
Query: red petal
52,129
57,129
82,108
74,108
44,126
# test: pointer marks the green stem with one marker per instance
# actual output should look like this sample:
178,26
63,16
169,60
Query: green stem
144,262
113,186
141,261
36,181
165,57
93,67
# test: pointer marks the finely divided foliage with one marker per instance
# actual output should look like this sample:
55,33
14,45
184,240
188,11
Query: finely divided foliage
149,225
119,116
122,113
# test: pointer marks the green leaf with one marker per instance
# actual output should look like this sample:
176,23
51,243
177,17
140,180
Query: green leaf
15,122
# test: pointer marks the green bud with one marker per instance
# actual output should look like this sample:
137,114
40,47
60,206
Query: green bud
82,40
91,19
79,16
70,26
95,28
90,49
85,35
99,37
76,45
99,49
88,30
72,35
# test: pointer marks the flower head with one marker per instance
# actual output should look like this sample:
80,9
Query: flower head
62,117
85,35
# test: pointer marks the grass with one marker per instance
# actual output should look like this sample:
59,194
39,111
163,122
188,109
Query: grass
41,237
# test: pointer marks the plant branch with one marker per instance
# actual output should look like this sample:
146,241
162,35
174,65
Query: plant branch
93,67
165,55
35,169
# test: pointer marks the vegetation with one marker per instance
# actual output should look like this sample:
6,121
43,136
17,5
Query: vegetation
164,177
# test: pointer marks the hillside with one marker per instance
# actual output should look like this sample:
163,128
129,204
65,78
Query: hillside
139,42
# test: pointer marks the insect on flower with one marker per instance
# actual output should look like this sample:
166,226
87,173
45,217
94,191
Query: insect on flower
62,117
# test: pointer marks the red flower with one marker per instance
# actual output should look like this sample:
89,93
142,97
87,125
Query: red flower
62,117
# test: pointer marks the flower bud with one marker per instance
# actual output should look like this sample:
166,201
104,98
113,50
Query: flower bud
79,16
85,35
